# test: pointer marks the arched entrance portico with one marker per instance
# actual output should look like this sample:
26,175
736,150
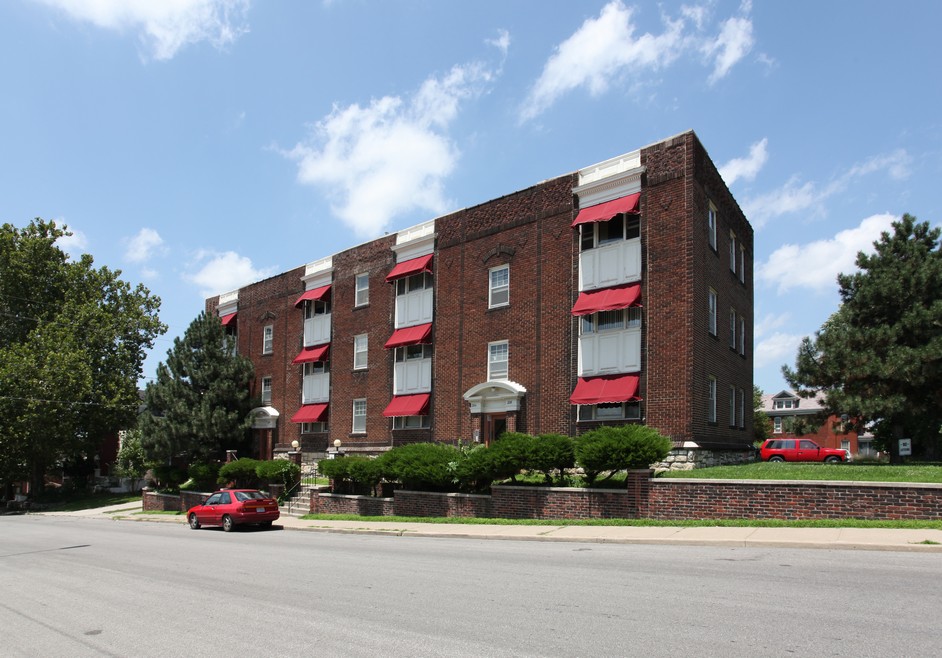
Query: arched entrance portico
495,408
264,428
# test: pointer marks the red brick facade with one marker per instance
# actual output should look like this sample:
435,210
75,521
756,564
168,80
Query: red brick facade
531,232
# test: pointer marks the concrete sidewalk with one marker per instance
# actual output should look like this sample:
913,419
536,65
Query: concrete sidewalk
877,539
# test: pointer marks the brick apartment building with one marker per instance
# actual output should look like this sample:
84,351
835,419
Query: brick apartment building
619,293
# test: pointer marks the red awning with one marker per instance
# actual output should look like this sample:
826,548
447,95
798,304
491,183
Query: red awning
408,405
315,294
416,335
226,319
608,299
605,211
310,413
312,354
609,388
410,267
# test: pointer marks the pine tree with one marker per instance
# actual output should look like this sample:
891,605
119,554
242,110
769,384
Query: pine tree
879,357
199,405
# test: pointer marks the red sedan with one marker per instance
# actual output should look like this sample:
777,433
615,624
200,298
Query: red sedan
232,507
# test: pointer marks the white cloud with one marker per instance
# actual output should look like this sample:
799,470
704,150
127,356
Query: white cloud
74,244
746,168
777,349
605,49
816,265
391,157
142,246
734,42
502,42
165,26
795,196
769,322
221,272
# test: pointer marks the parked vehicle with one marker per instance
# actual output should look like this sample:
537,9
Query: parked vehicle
800,450
232,507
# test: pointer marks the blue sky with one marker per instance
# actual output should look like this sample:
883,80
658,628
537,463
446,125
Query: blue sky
200,145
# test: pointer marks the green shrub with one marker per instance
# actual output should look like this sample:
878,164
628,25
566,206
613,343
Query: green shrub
422,466
168,477
278,471
352,475
510,454
552,453
239,473
473,471
203,477
612,449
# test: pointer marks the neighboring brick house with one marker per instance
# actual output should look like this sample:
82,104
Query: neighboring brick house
620,293
786,409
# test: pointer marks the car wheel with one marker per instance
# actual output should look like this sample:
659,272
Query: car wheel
833,459
194,522
227,523
776,458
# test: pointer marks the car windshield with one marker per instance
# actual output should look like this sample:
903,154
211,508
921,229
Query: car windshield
249,495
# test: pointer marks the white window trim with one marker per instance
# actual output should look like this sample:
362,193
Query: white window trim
361,350
732,406
361,416
492,289
711,400
712,217
266,399
490,361
742,409
268,339
742,335
742,263
732,328
712,310
361,291
732,252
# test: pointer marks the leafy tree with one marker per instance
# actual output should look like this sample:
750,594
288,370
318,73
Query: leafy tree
199,405
73,339
878,358
761,423
131,462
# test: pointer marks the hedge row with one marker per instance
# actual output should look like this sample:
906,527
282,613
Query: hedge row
473,469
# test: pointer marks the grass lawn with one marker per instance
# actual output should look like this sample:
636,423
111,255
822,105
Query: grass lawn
814,471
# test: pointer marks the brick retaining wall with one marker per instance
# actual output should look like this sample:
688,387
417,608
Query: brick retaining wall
421,503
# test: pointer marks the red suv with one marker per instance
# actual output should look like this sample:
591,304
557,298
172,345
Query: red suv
800,450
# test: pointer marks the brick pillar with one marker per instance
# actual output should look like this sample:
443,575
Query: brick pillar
638,482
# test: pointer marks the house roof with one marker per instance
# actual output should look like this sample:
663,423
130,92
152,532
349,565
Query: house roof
805,405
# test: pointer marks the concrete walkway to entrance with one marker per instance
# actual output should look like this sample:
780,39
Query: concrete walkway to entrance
881,539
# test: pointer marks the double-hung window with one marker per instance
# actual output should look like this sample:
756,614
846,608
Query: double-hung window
733,252
732,406
414,283
742,409
742,335
711,400
497,360
359,416
362,289
711,322
266,390
499,286
268,339
742,263
711,226
732,328
360,351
